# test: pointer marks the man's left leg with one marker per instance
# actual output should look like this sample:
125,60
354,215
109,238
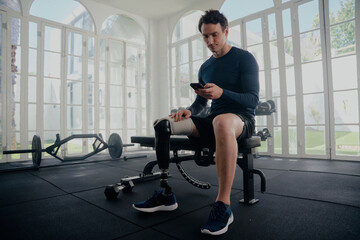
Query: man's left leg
227,128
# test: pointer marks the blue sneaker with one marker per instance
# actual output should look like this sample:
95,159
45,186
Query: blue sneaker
157,202
219,220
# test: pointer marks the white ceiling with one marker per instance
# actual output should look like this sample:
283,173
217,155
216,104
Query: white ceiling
150,8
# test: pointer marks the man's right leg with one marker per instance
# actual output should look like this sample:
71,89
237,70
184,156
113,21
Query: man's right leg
164,128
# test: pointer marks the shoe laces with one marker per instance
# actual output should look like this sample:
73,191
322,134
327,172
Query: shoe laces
218,211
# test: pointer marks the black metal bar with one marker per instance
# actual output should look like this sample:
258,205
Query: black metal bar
19,151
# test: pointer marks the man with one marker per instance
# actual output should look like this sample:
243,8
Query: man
230,79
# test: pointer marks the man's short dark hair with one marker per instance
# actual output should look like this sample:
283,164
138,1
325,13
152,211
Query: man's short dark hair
213,17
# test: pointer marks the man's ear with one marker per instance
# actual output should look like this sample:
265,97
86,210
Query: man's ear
226,31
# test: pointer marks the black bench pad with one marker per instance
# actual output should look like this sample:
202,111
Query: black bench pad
183,142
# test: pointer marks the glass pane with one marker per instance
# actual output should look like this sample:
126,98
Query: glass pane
12,4
68,12
117,52
102,94
341,10
234,9
292,140
234,36
74,117
123,27
310,46
52,64
197,49
74,90
102,118
347,140
196,67
173,57
309,16
52,90
272,27
275,80
74,68
342,39
32,35
262,93
312,77
75,44
183,53
15,59
187,26
102,73
277,140
91,118
291,104
32,89
116,96
315,140
344,72
116,118
289,51
254,32
277,115
346,109
184,80
274,58
91,46
314,109
52,117
32,61
286,21
290,80
131,66
52,39
102,49
131,97
91,94
258,53
131,118
91,72
15,31
116,73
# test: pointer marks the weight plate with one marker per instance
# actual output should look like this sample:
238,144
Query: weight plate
36,146
115,145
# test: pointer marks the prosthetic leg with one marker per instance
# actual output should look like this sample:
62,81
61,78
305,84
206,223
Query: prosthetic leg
164,128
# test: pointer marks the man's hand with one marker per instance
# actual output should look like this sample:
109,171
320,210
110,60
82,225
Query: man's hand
180,114
210,91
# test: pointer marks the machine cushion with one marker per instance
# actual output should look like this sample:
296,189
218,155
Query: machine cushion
183,143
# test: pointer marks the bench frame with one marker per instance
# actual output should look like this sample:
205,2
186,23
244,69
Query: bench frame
245,160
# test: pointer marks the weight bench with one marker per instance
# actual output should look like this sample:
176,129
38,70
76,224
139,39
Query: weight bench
205,157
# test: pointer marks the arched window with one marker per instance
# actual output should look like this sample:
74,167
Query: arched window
123,27
234,9
67,12
12,4
188,52
187,26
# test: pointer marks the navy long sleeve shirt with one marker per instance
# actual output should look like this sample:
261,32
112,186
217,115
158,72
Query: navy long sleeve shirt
237,73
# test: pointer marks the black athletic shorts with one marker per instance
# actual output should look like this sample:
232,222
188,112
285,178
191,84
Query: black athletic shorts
206,130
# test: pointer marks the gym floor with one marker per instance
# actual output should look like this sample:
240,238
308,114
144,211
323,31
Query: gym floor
305,199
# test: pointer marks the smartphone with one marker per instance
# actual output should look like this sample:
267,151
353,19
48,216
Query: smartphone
196,86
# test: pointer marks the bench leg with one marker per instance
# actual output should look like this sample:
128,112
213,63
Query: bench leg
246,164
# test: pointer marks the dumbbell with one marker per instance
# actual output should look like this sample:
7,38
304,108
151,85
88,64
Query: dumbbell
112,191
264,134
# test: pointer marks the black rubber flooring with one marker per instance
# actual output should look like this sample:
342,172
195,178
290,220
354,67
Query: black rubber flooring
305,199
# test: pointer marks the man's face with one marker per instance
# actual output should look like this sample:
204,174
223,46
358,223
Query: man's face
214,37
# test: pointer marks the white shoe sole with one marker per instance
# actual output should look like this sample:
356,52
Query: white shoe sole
221,231
158,208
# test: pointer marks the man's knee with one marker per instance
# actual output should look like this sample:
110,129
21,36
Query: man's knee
168,125
227,124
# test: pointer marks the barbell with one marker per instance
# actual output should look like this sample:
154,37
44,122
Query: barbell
115,146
